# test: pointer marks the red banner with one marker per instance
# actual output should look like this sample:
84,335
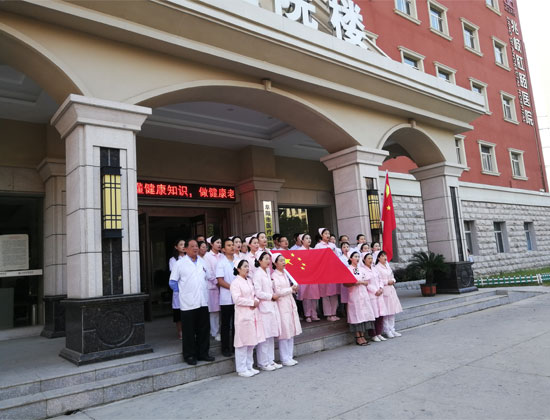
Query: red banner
388,217
316,266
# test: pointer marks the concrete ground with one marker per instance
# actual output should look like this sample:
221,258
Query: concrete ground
493,364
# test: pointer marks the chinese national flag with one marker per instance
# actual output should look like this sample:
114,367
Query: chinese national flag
316,266
388,217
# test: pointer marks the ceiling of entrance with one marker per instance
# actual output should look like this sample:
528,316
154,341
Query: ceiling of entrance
206,123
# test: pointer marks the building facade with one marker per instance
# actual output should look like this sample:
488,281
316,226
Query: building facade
126,125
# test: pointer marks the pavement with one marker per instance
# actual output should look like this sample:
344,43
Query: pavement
492,364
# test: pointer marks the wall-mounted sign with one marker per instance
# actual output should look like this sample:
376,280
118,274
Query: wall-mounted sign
14,252
268,222
185,191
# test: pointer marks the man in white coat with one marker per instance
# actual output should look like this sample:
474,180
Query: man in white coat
190,274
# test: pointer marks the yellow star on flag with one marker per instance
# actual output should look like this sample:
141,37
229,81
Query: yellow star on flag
389,208
287,261
387,190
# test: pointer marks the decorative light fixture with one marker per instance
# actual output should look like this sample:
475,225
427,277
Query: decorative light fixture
111,202
374,209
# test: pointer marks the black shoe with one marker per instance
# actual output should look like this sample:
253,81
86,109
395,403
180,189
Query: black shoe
226,353
207,358
190,360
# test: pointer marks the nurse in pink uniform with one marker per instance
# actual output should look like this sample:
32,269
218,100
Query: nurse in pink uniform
360,313
290,321
238,245
344,257
329,292
376,295
269,312
309,293
252,243
393,306
249,330
212,257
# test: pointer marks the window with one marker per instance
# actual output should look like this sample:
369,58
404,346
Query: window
501,56
530,239
438,19
460,151
488,158
470,235
444,72
508,107
493,5
500,236
471,37
518,166
412,58
480,88
407,9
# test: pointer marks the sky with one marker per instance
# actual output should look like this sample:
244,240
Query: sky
536,36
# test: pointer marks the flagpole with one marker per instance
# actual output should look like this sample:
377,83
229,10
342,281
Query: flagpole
294,282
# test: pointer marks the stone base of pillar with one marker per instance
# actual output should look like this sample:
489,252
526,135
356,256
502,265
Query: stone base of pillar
104,328
54,325
459,278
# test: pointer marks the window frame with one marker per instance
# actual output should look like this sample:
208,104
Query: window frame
508,96
413,17
530,236
461,150
444,32
404,51
475,29
522,176
503,237
483,86
494,6
505,64
471,229
494,171
445,69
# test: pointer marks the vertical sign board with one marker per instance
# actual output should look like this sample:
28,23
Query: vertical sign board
14,252
268,222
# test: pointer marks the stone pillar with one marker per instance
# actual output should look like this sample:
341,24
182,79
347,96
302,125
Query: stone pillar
350,168
444,223
252,194
100,324
52,172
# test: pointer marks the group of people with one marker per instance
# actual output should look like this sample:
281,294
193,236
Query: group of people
238,292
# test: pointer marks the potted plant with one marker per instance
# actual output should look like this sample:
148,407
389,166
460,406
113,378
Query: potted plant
429,264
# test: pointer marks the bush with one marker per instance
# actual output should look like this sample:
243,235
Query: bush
410,273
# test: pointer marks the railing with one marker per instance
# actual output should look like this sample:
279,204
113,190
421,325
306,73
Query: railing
513,280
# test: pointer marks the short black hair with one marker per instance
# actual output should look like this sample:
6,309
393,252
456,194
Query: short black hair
358,236
226,240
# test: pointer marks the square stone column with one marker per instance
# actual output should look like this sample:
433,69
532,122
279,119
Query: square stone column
52,172
252,193
444,223
100,323
350,168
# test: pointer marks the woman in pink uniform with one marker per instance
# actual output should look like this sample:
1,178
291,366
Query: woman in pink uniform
212,257
376,292
269,312
249,330
237,246
393,306
329,292
290,321
360,313
252,243
344,257
309,293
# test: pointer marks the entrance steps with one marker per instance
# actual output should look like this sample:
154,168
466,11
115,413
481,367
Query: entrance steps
87,386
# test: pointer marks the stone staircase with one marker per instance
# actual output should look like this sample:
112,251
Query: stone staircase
126,378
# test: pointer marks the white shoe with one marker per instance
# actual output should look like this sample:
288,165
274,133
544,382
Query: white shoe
246,374
396,334
376,338
268,368
389,334
381,337
291,362
254,371
218,338
276,365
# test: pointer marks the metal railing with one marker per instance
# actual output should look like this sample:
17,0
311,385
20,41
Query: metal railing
513,280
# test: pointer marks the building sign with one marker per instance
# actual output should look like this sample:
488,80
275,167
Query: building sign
14,252
268,222
510,7
522,82
345,17
185,191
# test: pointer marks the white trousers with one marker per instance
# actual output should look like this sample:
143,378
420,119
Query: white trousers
389,323
265,352
286,349
310,308
244,358
330,304
214,323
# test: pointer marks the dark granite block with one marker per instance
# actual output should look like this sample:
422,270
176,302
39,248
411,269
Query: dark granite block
459,278
54,325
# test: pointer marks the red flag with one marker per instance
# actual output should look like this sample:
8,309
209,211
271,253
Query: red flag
388,217
316,266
